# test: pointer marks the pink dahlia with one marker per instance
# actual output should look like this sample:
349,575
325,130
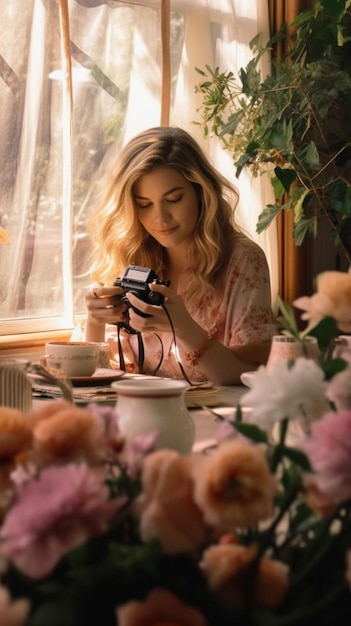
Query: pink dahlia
54,513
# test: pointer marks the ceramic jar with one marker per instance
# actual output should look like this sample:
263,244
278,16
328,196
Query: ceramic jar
284,348
15,387
155,404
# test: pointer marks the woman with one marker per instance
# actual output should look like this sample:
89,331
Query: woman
168,209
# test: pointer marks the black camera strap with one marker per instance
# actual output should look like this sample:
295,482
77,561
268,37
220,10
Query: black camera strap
141,350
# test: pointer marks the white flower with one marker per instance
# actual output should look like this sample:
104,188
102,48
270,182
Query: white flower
286,391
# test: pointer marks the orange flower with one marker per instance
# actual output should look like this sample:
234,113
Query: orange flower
234,486
63,430
333,299
15,432
227,568
167,507
12,613
160,608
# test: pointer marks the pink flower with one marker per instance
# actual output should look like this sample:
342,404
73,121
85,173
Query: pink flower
54,513
333,299
234,486
168,511
329,451
12,613
227,569
160,608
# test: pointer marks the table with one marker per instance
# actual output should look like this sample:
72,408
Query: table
205,421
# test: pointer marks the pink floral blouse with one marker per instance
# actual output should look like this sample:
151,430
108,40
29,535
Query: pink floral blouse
241,315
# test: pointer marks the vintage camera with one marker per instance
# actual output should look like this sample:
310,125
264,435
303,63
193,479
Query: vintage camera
136,280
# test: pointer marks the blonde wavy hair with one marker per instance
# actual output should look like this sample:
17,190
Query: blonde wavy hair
118,237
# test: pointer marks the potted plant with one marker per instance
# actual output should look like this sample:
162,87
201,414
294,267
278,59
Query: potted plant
295,123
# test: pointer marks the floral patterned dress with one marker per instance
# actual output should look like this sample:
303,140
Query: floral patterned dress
239,316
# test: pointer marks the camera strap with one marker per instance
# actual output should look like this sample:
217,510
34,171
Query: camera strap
141,350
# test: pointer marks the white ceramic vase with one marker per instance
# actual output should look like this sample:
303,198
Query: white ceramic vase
155,404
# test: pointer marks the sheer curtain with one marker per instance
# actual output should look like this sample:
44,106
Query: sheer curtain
53,157
213,32
217,33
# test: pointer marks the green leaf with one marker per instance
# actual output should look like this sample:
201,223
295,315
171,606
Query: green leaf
325,332
249,155
331,367
306,226
251,431
339,196
336,8
299,195
288,318
277,188
297,457
267,216
281,136
285,176
309,156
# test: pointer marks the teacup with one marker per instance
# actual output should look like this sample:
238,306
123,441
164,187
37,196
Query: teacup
342,344
74,358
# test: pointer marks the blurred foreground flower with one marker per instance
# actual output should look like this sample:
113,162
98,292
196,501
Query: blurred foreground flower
99,530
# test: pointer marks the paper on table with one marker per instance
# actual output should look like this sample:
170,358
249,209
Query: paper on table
205,395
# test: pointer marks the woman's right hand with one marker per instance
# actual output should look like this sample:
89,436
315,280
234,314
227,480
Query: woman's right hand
105,306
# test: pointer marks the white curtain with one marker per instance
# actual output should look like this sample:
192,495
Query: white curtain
217,33
116,75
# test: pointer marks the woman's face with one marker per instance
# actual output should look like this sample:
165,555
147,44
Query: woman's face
167,206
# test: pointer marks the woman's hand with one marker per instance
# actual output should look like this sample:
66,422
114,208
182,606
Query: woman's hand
105,306
158,321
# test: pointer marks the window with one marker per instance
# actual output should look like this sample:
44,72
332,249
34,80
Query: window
52,154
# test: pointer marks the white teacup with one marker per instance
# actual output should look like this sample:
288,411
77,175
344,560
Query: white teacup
74,358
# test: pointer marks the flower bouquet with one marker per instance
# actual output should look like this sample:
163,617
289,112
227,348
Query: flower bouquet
97,530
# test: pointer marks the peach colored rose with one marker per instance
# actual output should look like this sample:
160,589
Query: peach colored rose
160,608
12,613
15,432
4,237
227,568
167,507
348,567
67,432
333,299
234,486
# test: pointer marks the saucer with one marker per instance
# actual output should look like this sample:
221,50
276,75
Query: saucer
102,376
